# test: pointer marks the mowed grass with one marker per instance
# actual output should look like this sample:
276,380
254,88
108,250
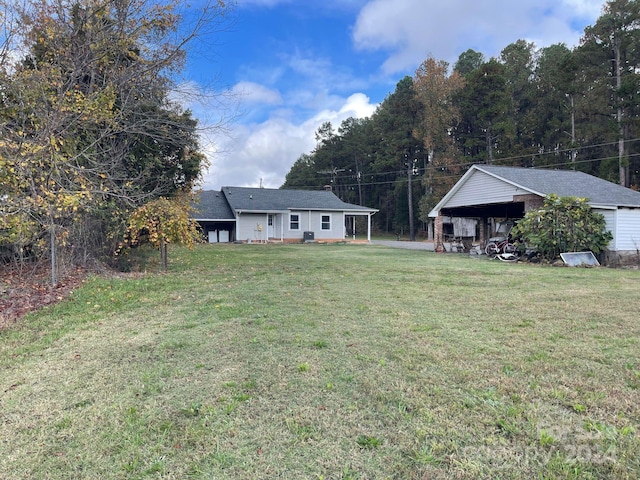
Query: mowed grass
328,361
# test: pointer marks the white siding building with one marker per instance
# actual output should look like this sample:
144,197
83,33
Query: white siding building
263,215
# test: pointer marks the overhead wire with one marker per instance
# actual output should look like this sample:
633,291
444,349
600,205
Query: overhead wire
401,176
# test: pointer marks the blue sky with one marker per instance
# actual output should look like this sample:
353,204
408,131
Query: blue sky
283,67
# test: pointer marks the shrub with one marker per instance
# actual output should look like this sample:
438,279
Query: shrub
563,224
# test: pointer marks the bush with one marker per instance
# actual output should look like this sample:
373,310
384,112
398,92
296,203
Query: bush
563,224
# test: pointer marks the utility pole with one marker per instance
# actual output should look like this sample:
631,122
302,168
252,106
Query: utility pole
334,173
359,179
623,169
410,160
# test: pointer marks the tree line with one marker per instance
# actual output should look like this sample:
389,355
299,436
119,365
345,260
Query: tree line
89,128
552,107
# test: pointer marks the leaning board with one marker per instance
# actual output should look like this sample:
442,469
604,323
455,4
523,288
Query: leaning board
576,259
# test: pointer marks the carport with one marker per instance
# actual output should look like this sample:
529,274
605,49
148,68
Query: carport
487,217
490,193
485,195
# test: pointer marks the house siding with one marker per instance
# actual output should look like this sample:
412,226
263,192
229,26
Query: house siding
311,221
486,188
249,227
610,218
249,224
624,224
628,234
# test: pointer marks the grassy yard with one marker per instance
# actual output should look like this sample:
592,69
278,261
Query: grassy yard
328,361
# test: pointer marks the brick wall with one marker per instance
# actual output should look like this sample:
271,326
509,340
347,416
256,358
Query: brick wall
438,234
531,201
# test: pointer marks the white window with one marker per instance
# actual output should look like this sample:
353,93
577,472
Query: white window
326,222
294,221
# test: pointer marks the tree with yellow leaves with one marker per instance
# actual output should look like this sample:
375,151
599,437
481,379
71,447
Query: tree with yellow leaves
88,128
164,221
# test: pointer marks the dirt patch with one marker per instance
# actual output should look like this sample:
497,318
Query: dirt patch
23,290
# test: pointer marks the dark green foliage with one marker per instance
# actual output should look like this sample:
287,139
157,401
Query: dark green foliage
484,105
563,224
102,135
613,44
367,161
301,173
468,62
554,107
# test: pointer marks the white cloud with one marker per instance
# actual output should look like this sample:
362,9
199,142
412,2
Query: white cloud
357,105
585,8
285,101
321,74
327,4
411,30
250,92
262,154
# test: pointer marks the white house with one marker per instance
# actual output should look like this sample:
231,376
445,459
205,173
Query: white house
263,214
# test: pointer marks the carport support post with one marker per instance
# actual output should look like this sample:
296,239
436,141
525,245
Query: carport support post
484,231
437,234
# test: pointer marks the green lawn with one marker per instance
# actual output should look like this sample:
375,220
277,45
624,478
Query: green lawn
328,361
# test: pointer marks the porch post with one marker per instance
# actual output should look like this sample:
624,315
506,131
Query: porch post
369,228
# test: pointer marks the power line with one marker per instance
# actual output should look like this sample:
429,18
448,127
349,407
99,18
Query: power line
421,170
401,178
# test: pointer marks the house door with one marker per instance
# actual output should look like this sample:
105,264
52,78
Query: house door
270,232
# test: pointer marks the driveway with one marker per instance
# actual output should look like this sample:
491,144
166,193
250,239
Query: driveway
406,245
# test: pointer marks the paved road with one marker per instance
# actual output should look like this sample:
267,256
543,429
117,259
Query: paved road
407,245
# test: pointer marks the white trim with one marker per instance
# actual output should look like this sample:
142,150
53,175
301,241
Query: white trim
517,185
460,183
297,214
434,211
322,222
281,217
271,232
479,168
605,207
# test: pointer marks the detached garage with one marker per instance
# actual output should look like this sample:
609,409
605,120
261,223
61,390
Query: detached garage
494,194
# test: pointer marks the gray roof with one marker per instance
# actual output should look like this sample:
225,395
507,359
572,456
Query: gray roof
269,199
566,183
223,204
212,206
